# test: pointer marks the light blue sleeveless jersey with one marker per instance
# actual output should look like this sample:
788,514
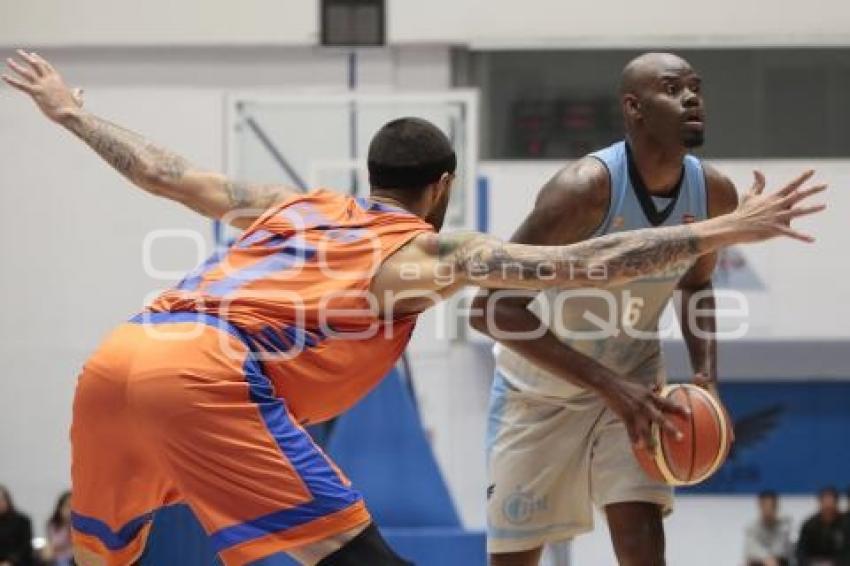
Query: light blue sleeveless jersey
616,326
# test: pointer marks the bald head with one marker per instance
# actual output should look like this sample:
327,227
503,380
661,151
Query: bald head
662,101
642,71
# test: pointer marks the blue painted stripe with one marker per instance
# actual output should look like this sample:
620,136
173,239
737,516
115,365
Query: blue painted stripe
218,232
113,540
293,253
482,220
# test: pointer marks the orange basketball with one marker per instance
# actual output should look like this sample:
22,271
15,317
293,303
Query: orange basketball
707,437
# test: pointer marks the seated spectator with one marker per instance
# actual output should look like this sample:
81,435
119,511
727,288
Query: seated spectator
821,541
15,533
768,539
845,556
847,506
59,551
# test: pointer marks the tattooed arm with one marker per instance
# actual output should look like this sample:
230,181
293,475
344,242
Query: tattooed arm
150,167
443,264
167,174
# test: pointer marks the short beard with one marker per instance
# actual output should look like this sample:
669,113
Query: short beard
695,139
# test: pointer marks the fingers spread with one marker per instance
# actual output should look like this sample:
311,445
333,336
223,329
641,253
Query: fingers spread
791,233
796,197
669,406
800,211
758,182
665,423
793,185
32,61
25,72
18,84
42,61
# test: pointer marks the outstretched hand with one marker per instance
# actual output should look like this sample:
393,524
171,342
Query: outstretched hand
762,216
36,77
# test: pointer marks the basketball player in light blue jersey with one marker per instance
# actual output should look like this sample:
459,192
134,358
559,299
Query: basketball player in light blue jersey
564,407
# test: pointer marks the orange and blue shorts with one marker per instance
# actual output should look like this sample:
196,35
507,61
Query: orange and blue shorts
174,408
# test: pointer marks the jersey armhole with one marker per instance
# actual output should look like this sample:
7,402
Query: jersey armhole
705,194
613,200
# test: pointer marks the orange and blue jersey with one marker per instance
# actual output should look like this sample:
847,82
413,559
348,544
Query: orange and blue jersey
201,398
296,283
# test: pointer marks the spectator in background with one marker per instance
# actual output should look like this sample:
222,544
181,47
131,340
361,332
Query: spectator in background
768,539
15,533
59,551
822,537
845,556
847,506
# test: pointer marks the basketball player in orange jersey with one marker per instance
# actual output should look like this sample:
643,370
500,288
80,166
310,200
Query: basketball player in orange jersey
201,397
577,454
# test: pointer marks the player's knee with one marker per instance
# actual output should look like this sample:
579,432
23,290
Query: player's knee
368,547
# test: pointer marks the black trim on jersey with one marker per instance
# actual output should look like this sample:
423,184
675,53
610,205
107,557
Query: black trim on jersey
653,215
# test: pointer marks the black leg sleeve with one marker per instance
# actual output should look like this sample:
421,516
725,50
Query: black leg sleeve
366,549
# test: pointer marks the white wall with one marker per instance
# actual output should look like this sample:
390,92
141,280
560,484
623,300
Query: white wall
482,23
536,23
158,22
71,230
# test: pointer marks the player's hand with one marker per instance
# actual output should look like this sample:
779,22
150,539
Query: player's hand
36,77
707,383
710,385
639,407
761,216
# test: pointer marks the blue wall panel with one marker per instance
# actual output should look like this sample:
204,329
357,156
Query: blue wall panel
793,437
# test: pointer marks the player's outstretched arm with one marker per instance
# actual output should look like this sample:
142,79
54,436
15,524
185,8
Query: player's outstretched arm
443,264
150,167
616,258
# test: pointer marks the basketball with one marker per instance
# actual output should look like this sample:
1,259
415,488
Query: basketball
707,437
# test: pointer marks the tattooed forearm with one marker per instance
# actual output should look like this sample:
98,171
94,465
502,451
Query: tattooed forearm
601,261
242,195
479,255
129,153
167,174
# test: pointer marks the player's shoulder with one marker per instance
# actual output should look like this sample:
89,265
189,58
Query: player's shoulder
720,190
584,183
